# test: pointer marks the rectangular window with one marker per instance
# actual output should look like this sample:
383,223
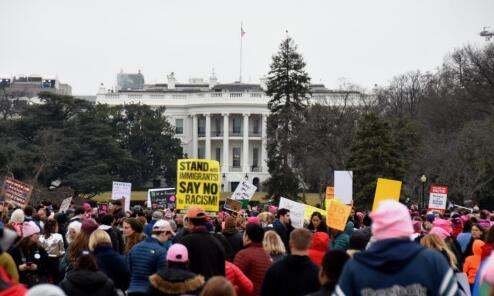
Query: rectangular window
234,186
201,126
255,128
218,154
217,125
201,152
179,126
236,157
237,125
255,157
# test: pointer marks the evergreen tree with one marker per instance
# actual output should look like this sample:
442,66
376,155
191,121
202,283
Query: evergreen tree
375,154
288,86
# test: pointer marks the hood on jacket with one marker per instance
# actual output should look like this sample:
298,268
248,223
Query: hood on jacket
176,281
477,247
389,255
87,280
320,241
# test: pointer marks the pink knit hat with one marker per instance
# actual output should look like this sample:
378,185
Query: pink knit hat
177,253
444,224
391,220
29,228
439,232
253,220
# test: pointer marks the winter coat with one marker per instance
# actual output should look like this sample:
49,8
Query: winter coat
148,229
236,243
283,232
394,266
37,256
319,247
116,237
145,259
113,265
253,261
325,290
341,240
175,281
242,284
294,275
463,239
206,254
85,282
275,257
486,251
472,263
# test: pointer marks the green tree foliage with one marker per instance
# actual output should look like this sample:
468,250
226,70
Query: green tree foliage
288,86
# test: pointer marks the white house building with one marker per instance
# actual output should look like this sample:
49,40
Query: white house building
224,122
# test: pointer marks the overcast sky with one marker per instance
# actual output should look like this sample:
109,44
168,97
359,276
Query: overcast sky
87,42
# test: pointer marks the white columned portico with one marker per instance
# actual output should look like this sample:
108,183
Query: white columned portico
195,144
264,138
245,148
207,154
226,146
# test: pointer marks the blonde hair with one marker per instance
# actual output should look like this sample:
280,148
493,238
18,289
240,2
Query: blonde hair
99,237
434,242
272,243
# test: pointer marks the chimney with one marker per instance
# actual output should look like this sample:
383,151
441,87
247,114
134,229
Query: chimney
212,80
171,80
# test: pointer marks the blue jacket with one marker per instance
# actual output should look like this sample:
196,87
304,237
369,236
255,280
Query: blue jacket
394,266
148,229
145,259
113,265
341,240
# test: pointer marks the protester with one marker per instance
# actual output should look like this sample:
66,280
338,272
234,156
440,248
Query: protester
52,242
478,233
108,260
28,216
44,290
79,244
85,279
176,279
218,286
148,257
282,226
472,263
332,266
148,229
16,220
393,263
340,239
489,243
318,248
78,214
233,237
253,261
132,233
106,224
464,237
273,245
207,255
72,231
294,274
241,283
9,276
30,257
317,223
435,242
358,242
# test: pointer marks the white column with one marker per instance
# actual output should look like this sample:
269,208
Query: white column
264,138
207,154
195,144
245,149
226,143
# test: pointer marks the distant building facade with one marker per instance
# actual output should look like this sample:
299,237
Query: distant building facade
31,85
130,81
223,122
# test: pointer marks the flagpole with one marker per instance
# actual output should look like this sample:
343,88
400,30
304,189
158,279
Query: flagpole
241,37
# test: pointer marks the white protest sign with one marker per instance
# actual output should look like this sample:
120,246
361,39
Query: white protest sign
343,186
296,211
64,206
244,190
437,197
122,190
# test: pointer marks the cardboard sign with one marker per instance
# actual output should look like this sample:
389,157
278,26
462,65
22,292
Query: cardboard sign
233,205
65,205
122,190
338,214
386,189
343,186
310,209
329,192
198,184
297,211
438,196
161,198
244,191
16,192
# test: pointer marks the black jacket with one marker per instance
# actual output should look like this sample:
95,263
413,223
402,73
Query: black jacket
293,275
113,265
175,281
236,242
206,254
85,282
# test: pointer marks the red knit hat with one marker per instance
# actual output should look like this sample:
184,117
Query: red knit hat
88,226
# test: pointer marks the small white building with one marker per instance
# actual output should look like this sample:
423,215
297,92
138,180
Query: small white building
224,122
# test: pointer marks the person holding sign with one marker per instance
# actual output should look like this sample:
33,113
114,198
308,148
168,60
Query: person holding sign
395,265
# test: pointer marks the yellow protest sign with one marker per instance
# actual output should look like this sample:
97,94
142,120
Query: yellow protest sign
386,189
198,184
310,209
338,214
329,192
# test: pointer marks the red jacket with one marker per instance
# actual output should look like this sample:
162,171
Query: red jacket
254,262
319,247
486,251
243,286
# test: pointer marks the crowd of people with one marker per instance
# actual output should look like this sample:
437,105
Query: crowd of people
394,250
